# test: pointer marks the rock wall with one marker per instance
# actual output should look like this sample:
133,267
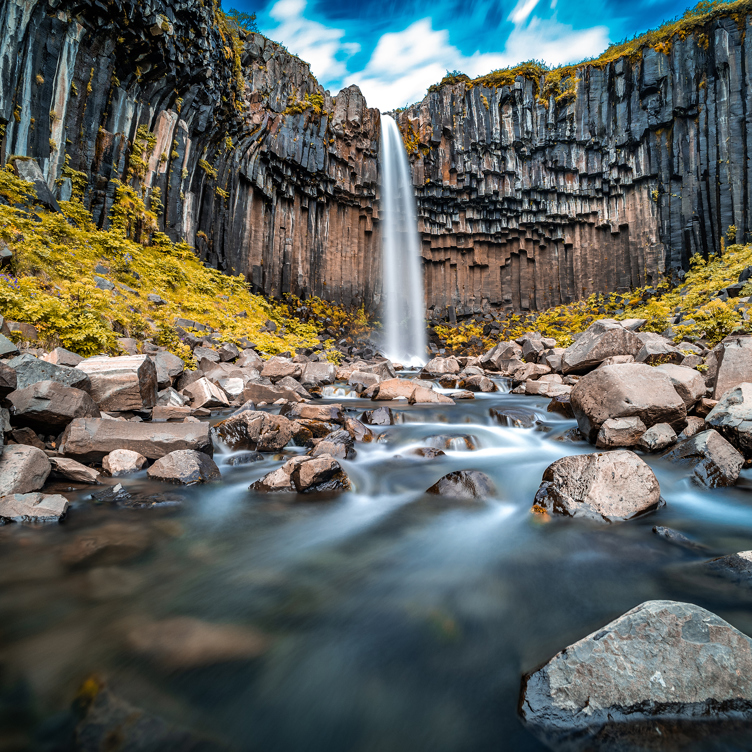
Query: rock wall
527,202
523,202
248,171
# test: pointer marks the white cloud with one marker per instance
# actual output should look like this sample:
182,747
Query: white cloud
404,64
319,45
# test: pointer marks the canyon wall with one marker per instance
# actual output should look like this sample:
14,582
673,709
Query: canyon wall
524,201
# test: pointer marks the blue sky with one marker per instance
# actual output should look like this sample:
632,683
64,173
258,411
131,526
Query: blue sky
395,49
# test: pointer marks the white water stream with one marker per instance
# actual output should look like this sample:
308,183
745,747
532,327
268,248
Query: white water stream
403,304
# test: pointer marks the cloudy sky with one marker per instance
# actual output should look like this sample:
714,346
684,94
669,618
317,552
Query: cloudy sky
395,49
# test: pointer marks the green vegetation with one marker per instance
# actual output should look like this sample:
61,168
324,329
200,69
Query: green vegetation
52,285
314,102
705,317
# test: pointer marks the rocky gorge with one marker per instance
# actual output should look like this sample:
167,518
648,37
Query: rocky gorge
534,188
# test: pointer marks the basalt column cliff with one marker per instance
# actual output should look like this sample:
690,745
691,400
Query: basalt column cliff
529,198
230,137
532,189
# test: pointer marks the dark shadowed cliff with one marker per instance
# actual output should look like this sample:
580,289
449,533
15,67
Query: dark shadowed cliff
526,198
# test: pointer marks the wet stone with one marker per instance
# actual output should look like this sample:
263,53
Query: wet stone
463,484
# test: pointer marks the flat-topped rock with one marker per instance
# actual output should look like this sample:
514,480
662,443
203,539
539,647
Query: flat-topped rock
49,406
124,383
29,370
90,439
33,507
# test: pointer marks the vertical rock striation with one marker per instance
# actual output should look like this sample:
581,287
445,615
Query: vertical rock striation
525,199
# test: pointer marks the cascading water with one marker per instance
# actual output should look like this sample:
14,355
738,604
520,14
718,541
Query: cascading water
404,308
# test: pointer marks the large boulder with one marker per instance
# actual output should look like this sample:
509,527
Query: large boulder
258,393
90,439
121,384
33,507
255,429
49,406
23,469
440,366
276,369
317,374
715,462
660,661
603,339
168,366
496,358
463,484
393,389
29,370
610,487
731,362
623,391
732,416
185,467
689,384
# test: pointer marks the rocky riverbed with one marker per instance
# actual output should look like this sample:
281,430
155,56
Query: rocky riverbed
291,554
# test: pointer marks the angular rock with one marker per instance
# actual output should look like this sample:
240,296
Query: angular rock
206,353
27,436
440,366
357,430
338,444
258,393
277,368
716,463
305,475
477,384
732,417
657,438
228,351
733,358
29,370
659,352
317,374
255,429
327,413
495,358
23,469
393,389
624,391
124,383
171,398
363,379
49,406
463,484
90,439
620,432
661,660
205,394
603,339
168,366
7,347
381,416
561,404
249,359
75,471
694,426
8,381
185,467
689,384
62,357
610,487
123,462
33,507
423,396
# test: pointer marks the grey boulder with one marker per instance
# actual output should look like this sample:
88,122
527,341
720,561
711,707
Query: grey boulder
609,487
620,432
623,391
657,438
716,463
30,370
689,384
661,660
730,364
185,467
23,469
603,339
33,507
124,383
49,406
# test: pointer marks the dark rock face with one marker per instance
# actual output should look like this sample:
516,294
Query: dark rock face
660,661
523,201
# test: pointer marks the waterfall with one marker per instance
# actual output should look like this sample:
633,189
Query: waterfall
403,301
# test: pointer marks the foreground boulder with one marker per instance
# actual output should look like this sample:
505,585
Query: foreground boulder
123,462
120,384
23,469
185,467
610,487
305,475
49,406
33,507
90,439
623,391
661,660
29,370
603,339
732,416
715,462
463,484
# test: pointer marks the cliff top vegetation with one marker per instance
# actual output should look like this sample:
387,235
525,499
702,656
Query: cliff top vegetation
560,82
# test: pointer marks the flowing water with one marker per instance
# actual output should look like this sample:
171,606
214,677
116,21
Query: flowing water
403,300
396,621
